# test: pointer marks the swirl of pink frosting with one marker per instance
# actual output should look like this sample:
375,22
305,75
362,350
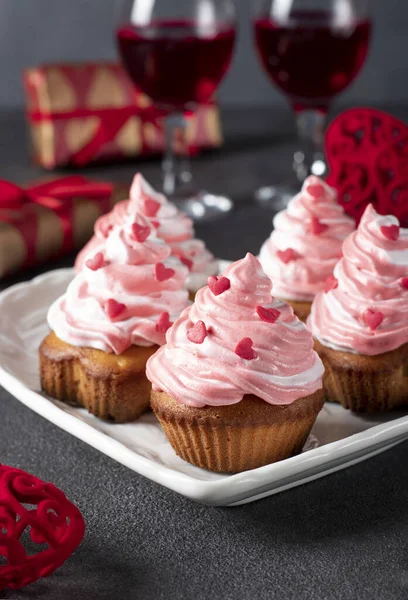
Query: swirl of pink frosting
365,307
276,361
305,243
125,294
173,226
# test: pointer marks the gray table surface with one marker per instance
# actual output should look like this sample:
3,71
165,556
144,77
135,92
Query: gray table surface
342,537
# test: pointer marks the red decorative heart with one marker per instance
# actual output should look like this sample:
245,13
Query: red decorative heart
270,315
244,349
372,318
218,285
156,224
162,273
404,282
330,284
163,322
286,256
197,333
151,207
316,190
140,232
187,262
96,262
391,232
317,227
113,308
367,152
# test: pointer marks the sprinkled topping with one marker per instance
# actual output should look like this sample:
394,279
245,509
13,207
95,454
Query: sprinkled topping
163,322
391,232
372,318
317,227
330,284
218,285
187,262
315,189
244,349
156,224
270,315
197,333
114,308
162,273
105,229
404,282
140,232
151,207
96,262
287,255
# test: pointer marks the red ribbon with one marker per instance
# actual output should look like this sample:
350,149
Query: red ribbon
18,206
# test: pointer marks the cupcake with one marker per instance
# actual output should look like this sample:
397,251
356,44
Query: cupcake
237,384
305,244
171,225
360,321
113,317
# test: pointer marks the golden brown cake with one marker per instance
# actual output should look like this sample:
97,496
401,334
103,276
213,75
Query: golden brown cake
301,309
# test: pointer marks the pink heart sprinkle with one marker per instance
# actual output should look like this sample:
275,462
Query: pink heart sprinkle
244,349
404,282
163,322
151,207
372,318
156,224
162,273
187,262
106,229
315,189
197,333
317,227
96,262
391,232
218,285
270,315
287,255
330,284
140,232
114,308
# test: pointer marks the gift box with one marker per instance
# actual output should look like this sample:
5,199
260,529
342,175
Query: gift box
84,113
48,219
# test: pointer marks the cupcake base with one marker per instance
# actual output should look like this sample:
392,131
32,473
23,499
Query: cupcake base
365,383
239,437
110,387
300,308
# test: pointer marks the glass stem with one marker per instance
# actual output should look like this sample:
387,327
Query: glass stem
309,159
177,176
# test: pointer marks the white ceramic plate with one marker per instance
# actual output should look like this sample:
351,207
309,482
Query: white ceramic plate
344,439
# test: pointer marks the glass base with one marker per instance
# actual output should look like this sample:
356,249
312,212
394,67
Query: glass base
276,197
203,206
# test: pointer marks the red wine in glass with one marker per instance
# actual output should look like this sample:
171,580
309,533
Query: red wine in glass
178,64
309,57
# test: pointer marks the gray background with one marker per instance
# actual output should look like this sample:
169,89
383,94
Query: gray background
32,31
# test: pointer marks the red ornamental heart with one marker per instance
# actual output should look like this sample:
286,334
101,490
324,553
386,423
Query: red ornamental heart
330,284
391,232
96,262
162,273
270,315
244,349
113,308
286,256
197,333
51,520
367,152
316,190
404,282
218,285
372,318
156,224
151,207
163,322
317,227
140,232
187,262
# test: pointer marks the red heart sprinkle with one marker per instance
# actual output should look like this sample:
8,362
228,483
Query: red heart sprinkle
162,273
244,349
114,308
187,262
317,226
151,207
106,229
287,255
163,322
218,285
330,284
96,262
156,224
140,232
197,333
391,232
315,189
404,282
270,315
372,318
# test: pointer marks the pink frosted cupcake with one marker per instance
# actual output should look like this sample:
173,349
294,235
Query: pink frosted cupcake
171,225
305,244
360,322
238,384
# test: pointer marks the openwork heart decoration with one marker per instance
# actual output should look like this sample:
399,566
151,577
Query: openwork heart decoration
367,152
34,515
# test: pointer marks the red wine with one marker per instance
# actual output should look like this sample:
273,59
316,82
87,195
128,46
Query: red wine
175,62
311,58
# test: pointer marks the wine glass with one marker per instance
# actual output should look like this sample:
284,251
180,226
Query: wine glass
312,50
177,53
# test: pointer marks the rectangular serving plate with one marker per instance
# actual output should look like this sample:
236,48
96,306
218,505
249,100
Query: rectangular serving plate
344,438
